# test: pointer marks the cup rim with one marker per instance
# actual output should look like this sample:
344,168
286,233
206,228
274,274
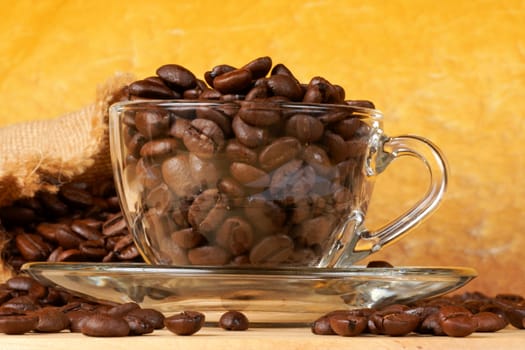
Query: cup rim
365,112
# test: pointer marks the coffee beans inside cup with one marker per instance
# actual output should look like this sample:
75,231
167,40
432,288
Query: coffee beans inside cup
240,179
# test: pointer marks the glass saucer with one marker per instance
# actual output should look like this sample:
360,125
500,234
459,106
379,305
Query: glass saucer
267,296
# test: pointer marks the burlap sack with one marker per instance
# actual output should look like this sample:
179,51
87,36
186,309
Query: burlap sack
41,155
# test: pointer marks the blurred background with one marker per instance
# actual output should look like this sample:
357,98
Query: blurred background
452,71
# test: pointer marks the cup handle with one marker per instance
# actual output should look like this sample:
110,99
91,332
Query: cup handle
385,150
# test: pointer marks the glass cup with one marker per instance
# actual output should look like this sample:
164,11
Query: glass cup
245,183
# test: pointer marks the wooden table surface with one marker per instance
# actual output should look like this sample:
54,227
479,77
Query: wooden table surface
261,339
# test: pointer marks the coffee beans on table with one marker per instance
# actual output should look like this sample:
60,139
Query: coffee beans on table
185,323
456,316
234,321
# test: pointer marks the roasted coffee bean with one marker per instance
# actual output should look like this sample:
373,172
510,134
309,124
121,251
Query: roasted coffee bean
137,325
286,86
399,324
456,321
347,325
259,67
269,216
152,124
28,285
151,316
205,173
249,135
489,322
122,309
218,117
205,138
238,152
185,323
232,189
176,172
76,195
234,321
103,325
51,320
516,315
235,81
236,235
252,113
315,231
77,318
272,250
378,263
360,103
279,152
322,326
17,324
177,77
32,246
305,127
216,71
159,147
207,211
208,256
249,175
187,238
151,89
21,303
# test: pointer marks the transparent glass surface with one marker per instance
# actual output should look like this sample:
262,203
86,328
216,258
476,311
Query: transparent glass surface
278,184
277,296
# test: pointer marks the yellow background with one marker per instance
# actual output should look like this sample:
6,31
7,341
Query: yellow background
453,71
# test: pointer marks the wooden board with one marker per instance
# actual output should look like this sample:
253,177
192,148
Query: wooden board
261,339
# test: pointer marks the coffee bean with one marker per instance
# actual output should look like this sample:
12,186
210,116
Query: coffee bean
347,325
234,321
322,326
305,127
177,77
151,316
103,325
207,211
279,152
249,135
208,256
187,238
272,250
378,263
249,175
238,152
259,67
176,172
204,138
32,247
216,71
122,309
17,324
235,235
151,89
235,81
51,320
269,216
456,321
185,323
159,148
489,322
152,124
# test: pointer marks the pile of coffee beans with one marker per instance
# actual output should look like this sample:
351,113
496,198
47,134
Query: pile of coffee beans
80,222
27,306
455,316
243,181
